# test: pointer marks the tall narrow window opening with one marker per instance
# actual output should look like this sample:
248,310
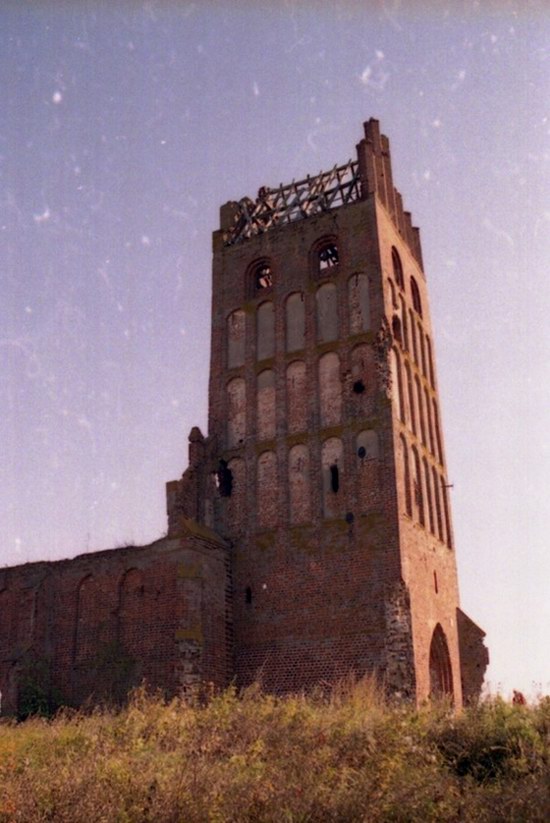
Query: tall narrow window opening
328,256
334,479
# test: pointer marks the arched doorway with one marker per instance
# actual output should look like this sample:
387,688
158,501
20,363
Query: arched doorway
441,673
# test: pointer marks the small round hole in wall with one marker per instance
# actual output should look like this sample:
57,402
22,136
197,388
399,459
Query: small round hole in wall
361,452
358,387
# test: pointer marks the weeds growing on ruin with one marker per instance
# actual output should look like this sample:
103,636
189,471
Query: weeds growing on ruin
346,756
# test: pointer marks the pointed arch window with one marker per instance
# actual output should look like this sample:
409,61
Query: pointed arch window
441,673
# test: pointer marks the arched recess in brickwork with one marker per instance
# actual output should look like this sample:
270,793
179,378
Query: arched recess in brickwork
266,489
428,407
406,474
396,329
131,611
447,519
397,268
332,463
235,338
420,406
437,499
362,366
404,323
265,331
330,389
392,294
418,495
358,303
265,404
298,483
410,398
295,321
88,621
397,383
236,502
412,326
415,296
422,350
441,672
367,454
236,412
327,313
437,433
429,499
430,361
296,396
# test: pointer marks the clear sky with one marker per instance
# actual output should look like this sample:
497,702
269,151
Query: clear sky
124,127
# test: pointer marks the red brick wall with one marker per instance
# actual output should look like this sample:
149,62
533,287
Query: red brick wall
109,620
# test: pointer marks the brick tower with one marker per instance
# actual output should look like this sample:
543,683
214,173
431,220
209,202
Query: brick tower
324,468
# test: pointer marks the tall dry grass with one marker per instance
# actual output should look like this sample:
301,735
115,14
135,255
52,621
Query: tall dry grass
343,757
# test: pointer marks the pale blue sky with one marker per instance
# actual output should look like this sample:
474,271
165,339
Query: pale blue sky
124,127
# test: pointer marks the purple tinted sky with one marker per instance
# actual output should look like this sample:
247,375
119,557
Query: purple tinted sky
123,127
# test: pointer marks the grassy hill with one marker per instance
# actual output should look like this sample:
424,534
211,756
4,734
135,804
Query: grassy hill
344,757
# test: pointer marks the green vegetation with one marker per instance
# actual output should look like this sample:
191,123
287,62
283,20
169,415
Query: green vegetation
344,757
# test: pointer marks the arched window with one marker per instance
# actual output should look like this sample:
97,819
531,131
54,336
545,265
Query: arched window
261,276
326,255
236,412
332,467
265,405
235,338
397,268
295,322
415,295
265,331
298,483
266,479
441,673
358,303
327,313
296,397
330,389
406,475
